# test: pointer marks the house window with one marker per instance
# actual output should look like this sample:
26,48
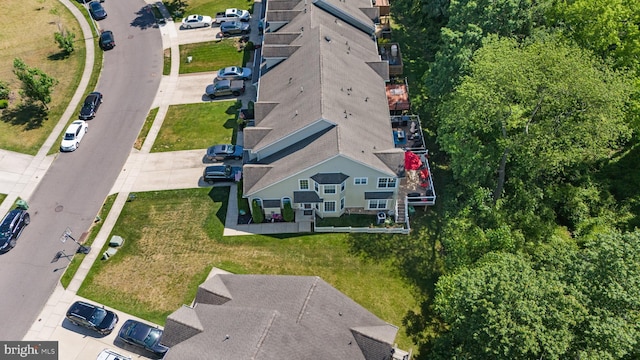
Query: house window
315,186
307,206
360,181
329,189
377,204
259,201
303,184
342,186
286,200
342,204
330,206
386,182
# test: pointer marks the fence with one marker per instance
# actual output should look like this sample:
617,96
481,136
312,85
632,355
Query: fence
350,229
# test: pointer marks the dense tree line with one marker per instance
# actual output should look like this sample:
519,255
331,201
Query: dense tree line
532,108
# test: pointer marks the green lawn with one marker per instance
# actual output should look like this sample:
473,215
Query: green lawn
24,127
174,238
210,56
208,7
2,197
148,122
197,126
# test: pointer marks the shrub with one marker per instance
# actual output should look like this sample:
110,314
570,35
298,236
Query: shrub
256,212
4,103
65,41
287,213
4,90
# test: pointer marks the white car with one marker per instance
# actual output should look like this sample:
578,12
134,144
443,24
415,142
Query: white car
108,354
74,134
196,21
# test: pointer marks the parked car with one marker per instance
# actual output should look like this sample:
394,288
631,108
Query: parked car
91,104
229,28
234,73
225,88
11,227
196,21
97,11
107,41
232,14
218,173
142,335
92,317
74,134
223,152
108,354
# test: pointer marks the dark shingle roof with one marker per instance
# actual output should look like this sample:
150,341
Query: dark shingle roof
278,317
306,197
333,178
378,195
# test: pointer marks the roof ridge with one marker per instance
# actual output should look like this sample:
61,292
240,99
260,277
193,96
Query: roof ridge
306,300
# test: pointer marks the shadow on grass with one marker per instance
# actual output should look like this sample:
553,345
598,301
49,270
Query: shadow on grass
144,19
221,195
30,115
61,55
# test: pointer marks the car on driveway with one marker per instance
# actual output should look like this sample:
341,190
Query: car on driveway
107,41
11,227
223,152
216,173
196,21
97,11
234,73
92,317
229,28
108,354
142,335
91,104
74,134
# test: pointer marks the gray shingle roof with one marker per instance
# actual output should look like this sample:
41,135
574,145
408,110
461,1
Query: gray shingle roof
281,317
378,195
333,78
306,197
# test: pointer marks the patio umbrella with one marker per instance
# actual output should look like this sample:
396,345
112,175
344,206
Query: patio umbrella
412,161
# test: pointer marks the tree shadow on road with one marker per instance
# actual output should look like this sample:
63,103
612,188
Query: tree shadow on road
144,19
29,115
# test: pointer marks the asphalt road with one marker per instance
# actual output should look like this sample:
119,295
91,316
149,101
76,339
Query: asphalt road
75,186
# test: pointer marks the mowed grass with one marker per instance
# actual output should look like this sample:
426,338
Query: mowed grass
209,56
34,43
196,126
208,7
148,122
174,238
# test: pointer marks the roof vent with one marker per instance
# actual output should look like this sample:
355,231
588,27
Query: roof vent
328,38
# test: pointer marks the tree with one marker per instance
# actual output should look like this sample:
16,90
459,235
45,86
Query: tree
607,273
65,41
610,29
468,23
256,212
505,309
36,85
529,117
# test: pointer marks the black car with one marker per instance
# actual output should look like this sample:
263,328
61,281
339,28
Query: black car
92,317
107,40
11,228
223,152
229,28
217,173
144,336
91,105
97,11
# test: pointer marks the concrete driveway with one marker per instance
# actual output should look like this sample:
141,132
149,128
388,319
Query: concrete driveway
189,36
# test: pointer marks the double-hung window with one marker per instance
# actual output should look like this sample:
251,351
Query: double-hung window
377,204
360,181
303,184
329,189
386,183
329,206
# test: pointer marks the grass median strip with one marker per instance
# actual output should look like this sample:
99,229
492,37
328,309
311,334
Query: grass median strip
173,239
72,268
